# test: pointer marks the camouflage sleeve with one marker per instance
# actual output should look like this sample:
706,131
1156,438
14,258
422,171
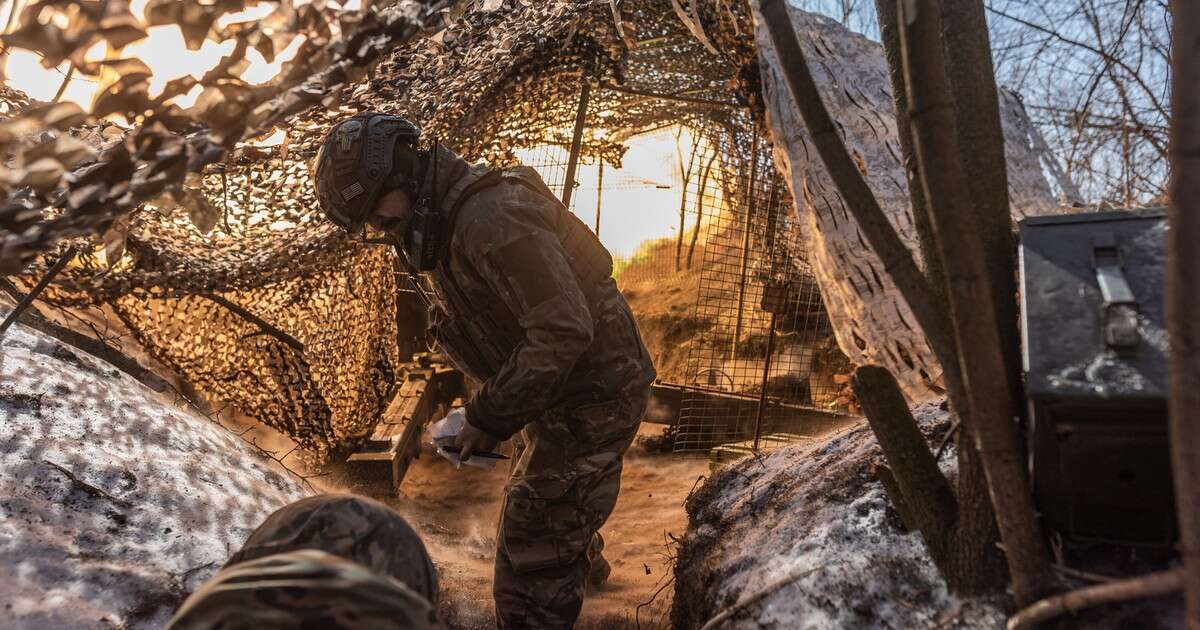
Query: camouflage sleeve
525,265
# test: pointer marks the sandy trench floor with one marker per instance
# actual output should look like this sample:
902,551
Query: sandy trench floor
456,513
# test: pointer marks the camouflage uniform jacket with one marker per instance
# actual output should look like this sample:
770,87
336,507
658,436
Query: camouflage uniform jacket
526,303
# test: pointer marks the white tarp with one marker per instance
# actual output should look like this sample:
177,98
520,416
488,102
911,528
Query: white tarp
872,322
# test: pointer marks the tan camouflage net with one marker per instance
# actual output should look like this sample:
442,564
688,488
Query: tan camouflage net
196,290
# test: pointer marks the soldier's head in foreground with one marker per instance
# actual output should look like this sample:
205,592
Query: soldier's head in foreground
331,561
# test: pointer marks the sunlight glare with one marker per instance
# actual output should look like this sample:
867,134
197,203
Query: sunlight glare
163,50
640,201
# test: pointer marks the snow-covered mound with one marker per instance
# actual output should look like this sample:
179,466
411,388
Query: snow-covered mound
818,509
114,502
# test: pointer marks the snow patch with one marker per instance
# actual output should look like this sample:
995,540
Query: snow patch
802,508
114,502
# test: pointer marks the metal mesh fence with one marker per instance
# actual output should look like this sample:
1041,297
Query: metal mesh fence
609,198
691,195
278,314
762,373
760,358
550,161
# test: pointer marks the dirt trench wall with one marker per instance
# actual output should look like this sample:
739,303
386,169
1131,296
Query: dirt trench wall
871,320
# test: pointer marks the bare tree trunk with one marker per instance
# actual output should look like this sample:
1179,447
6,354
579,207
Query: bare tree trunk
971,563
877,230
977,559
889,34
685,175
976,562
964,29
972,304
977,110
1183,293
929,504
700,208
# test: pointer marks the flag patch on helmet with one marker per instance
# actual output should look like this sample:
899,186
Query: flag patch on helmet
352,191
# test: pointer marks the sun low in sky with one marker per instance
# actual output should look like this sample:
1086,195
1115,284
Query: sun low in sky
639,201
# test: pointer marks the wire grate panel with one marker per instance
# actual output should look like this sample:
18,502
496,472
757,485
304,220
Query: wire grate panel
762,373
760,360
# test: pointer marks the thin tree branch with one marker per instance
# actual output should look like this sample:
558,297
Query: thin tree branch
1066,40
263,326
1152,585
724,615
38,288
65,82
87,487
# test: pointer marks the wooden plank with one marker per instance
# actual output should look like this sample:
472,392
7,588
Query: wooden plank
426,391
667,399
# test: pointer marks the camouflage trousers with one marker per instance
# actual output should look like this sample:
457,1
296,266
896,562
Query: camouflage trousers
563,488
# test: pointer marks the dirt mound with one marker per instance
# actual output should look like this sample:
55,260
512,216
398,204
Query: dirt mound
817,512
665,310
814,510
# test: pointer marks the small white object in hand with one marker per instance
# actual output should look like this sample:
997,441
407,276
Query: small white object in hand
445,431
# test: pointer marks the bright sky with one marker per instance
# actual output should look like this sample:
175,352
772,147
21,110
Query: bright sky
163,50
639,202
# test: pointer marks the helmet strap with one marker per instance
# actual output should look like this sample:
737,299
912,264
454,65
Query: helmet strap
423,243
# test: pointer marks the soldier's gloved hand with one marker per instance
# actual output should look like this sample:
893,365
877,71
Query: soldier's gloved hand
470,440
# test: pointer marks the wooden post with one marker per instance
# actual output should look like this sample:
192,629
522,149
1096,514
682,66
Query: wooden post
585,93
599,192
973,311
1183,294
766,375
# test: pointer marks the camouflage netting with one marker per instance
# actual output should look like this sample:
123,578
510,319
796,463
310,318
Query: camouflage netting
193,289
196,291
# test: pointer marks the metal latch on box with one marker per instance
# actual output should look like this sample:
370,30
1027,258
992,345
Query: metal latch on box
1120,307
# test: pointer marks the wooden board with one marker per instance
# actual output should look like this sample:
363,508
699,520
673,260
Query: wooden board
426,392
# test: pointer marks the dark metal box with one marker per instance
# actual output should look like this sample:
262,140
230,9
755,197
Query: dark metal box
1095,360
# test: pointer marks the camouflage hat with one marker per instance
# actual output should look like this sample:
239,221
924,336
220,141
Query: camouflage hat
303,589
356,528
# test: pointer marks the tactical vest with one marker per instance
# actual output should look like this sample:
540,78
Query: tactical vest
472,334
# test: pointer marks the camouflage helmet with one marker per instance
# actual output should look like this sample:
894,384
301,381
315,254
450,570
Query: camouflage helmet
356,528
358,162
303,589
